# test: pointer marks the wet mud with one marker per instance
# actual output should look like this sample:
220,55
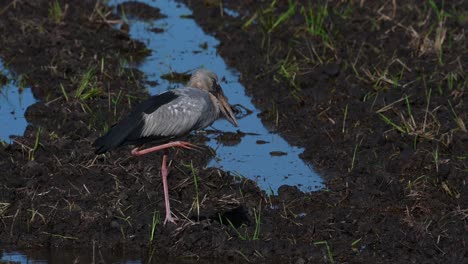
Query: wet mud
395,191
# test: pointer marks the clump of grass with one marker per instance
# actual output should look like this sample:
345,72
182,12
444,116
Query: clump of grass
408,125
123,65
388,121
84,83
155,221
282,17
204,45
86,88
64,92
435,155
383,80
450,190
250,21
195,183
440,13
329,252
55,12
451,78
196,202
245,235
115,101
257,216
34,213
103,62
354,245
441,30
242,255
3,208
413,183
344,119
32,151
353,160
288,68
315,21
426,126
458,120
275,113
60,236
239,234
22,82
268,18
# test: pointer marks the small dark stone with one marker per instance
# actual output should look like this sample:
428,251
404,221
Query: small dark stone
300,261
115,224
140,10
286,192
444,171
157,30
125,28
3,79
332,69
278,153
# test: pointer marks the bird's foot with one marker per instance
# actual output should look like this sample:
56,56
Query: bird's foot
170,218
186,145
136,152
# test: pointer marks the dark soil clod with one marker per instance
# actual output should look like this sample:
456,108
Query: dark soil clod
139,10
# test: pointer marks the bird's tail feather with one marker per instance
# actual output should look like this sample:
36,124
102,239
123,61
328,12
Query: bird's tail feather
102,145
116,136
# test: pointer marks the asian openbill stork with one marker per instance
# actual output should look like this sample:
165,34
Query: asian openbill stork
168,116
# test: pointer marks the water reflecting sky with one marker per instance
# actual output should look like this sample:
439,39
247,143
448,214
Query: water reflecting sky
184,46
13,104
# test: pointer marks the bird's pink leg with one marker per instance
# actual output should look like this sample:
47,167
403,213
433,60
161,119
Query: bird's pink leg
164,170
164,173
179,144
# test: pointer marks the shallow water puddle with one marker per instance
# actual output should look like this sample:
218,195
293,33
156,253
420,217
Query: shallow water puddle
59,255
71,256
13,103
182,46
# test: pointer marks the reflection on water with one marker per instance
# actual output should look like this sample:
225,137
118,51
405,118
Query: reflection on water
182,46
14,99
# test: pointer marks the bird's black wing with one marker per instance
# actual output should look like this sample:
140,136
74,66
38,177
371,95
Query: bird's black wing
127,131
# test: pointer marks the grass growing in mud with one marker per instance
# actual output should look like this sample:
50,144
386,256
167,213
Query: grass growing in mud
315,18
196,202
382,84
55,12
243,231
87,88
329,254
156,220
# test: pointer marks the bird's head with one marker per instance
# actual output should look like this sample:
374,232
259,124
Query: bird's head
206,80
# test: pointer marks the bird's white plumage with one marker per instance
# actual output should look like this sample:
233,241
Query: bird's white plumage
193,109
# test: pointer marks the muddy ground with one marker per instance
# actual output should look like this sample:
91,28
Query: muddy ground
375,92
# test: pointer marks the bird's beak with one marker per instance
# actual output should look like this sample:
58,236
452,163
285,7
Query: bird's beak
226,108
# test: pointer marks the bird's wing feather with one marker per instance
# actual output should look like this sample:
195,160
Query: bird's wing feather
127,129
175,118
